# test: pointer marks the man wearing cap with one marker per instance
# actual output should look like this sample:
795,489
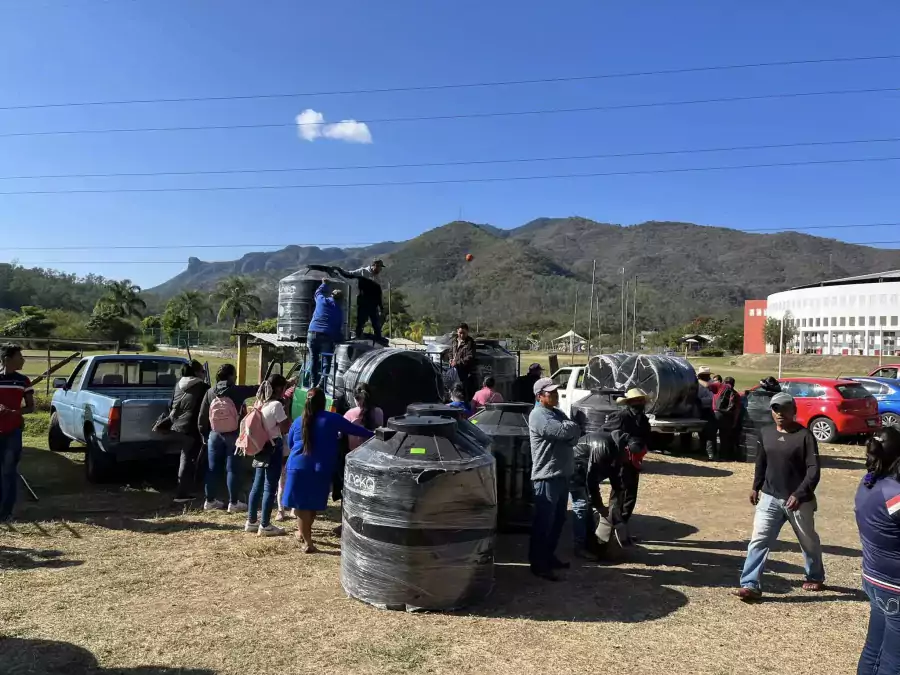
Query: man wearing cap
787,472
553,438
369,302
326,328
523,388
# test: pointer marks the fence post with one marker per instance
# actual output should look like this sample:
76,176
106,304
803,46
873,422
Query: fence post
49,366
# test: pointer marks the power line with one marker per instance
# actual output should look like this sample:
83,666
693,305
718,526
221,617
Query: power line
432,118
438,87
779,230
474,162
445,181
182,262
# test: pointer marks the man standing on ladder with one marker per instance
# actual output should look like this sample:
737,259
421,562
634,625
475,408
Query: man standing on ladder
369,302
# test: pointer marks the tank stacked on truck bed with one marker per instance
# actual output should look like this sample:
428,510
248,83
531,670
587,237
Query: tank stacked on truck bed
669,381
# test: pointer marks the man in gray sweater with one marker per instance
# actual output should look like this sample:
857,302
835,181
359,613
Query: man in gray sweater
553,439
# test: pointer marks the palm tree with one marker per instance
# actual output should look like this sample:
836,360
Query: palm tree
122,297
192,305
237,299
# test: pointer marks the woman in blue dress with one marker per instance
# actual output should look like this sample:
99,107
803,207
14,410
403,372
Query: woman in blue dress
313,439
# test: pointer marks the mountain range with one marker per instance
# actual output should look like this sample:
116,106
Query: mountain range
527,278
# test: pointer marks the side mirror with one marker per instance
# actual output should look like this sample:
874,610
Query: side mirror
59,383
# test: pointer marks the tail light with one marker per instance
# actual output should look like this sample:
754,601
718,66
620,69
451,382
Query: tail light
115,423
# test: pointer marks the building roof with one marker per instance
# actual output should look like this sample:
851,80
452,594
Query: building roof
876,277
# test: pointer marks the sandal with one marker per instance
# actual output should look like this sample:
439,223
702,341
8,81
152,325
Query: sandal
813,586
279,517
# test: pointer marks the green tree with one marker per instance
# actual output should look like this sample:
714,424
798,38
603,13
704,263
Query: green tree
30,322
123,299
193,305
173,322
397,322
152,322
262,325
237,299
772,331
415,331
106,323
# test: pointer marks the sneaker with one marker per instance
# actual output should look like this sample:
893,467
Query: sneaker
748,594
214,505
237,507
251,527
270,531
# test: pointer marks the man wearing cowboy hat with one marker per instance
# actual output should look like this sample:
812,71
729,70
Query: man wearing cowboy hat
632,421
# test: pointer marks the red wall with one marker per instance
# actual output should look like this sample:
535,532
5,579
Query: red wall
754,342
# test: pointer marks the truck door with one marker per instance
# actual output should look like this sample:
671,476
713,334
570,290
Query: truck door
563,379
66,400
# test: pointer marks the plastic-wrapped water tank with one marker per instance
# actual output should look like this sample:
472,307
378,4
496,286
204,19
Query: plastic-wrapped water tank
756,415
419,518
463,425
396,378
670,381
493,359
507,426
591,412
296,302
344,355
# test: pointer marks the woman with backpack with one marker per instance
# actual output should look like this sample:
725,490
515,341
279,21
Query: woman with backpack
314,452
186,404
219,422
272,421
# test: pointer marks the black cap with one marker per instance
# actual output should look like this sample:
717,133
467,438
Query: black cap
378,262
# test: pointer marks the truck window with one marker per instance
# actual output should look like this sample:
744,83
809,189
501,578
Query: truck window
561,377
887,372
77,374
579,383
136,373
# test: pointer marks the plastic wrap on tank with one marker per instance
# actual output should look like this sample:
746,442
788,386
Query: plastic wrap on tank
507,426
345,354
296,302
419,517
591,412
669,381
396,378
756,416
463,425
492,359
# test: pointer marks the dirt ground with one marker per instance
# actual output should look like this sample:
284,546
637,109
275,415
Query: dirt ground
115,580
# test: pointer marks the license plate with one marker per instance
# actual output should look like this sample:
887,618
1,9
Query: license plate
871,423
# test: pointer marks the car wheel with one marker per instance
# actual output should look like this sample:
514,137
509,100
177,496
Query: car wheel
823,430
57,441
99,466
890,420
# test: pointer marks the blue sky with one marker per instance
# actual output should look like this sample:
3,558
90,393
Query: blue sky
86,50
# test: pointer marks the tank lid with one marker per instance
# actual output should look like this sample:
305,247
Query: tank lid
424,426
510,407
435,410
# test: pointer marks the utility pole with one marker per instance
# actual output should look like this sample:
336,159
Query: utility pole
634,317
591,310
622,315
780,346
390,316
572,338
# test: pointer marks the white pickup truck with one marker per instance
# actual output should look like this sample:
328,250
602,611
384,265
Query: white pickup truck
572,388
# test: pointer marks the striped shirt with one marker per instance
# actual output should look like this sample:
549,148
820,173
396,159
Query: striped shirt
13,387
878,519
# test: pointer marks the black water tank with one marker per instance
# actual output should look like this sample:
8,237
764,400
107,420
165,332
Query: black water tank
492,359
591,412
463,425
507,426
669,381
419,517
396,377
344,355
296,302
756,415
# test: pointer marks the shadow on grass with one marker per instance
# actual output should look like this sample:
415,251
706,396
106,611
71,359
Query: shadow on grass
12,558
50,657
836,462
654,467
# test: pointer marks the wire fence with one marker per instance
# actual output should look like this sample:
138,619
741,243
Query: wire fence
190,338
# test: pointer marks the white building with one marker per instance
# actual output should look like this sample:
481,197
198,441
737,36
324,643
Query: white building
857,315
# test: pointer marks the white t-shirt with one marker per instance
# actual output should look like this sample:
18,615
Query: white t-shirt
273,415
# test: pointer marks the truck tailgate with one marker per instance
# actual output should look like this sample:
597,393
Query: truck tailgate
138,417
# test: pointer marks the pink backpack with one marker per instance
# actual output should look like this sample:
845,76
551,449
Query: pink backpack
223,415
253,436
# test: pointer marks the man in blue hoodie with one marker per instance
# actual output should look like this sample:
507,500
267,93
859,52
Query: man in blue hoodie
325,330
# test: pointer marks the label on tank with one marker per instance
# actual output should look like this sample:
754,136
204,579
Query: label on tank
417,451
365,485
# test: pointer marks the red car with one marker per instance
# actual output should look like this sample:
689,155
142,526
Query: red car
890,370
830,408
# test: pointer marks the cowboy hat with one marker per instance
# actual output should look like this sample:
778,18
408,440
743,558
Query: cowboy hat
632,396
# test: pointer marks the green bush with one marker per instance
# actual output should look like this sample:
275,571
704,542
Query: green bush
42,401
711,351
148,344
37,424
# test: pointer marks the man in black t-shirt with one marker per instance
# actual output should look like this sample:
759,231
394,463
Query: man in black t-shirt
784,483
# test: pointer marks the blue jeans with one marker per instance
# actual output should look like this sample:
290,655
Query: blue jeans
220,454
10,454
551,497
881,653
317,344
771,515
265,487
583,521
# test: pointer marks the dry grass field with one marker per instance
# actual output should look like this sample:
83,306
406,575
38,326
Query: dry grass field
117,580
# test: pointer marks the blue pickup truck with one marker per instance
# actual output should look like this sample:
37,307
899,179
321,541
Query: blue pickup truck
110,403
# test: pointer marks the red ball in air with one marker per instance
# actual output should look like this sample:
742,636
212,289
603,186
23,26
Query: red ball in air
469,257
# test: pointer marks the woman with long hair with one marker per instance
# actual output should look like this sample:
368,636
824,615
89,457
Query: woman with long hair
267,463
878,520
365,414
314,452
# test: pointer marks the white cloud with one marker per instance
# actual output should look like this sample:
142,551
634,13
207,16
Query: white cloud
311,125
